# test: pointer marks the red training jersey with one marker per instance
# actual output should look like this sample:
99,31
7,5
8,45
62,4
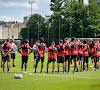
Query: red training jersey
7,47
74,46
25,48
95,51
80,48
86,52
60,51
98,45
52,50
67,50
41,47
90,47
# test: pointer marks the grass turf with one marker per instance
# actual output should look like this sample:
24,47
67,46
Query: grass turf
57,81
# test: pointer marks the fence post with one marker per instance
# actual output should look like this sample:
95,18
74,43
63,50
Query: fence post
31,42
28,31
38,30
59,28
70,28
21,41
95,28
48,33
82,28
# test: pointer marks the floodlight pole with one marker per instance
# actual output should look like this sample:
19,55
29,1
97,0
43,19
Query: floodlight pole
31,3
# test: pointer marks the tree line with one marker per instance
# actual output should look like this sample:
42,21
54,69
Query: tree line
69,18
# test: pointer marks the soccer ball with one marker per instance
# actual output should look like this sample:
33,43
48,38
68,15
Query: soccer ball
20,76
15,76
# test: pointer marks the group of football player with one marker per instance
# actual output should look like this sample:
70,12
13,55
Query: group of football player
64,52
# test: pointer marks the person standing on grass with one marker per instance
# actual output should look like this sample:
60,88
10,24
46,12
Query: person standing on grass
95,54
2,56
41,47
74,53
52,53
35,51
80,54
85,54
97,42
60,54
90,51
25,53
13,51
6,50
67,51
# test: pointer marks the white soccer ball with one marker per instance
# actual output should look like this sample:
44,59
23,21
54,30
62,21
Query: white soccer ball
15,76
20,76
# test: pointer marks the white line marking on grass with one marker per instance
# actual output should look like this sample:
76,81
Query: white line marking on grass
64,76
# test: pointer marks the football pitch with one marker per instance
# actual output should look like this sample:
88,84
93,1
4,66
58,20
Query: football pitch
88,80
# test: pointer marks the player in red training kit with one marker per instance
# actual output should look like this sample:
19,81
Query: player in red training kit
99,52
60,54
2,56
80,53
6,50
41,47
85,54
74,52
52,53
90,51
25,52
95,54
67,50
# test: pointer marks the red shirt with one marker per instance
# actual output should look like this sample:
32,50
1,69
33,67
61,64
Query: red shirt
62,54
25,48
7,48
98,45
41,47
75,50
67,50
90,47
86,53
95,51
52,52
80,49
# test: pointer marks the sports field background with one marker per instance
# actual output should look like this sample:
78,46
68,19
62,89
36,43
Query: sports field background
58,81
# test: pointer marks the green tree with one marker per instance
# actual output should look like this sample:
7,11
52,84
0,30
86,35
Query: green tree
36,22
76,16
23,33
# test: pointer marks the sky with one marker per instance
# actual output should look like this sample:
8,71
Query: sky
15,10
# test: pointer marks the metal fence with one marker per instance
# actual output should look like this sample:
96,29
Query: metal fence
54,30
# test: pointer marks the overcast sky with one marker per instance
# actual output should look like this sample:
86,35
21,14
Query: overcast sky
15,10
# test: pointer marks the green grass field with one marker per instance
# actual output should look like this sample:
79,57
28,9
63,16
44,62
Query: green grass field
57,81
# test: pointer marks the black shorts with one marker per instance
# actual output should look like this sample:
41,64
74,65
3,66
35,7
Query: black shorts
73,56
42,59
2,57
80,57
25,59
60,59
51,60
96,59
35,55
66,57
12,55
85,59
90,55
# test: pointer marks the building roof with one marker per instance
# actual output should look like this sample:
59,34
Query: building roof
10,24
20,25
